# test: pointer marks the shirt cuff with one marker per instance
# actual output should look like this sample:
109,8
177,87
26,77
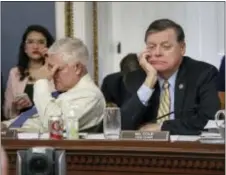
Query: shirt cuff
144,94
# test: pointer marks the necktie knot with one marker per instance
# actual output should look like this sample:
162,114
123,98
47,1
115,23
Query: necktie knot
165,85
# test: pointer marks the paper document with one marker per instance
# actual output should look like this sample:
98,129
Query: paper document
44,136
185,138
28,135
213,124
95,136
210,135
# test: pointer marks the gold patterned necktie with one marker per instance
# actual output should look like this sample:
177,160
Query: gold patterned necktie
164,105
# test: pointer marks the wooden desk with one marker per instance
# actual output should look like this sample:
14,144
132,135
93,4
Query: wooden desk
102,157
222,99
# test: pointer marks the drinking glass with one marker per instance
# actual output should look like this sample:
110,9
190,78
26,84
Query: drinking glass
221,128
71,121
112,123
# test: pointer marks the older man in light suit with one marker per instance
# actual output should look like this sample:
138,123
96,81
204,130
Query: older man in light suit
66,66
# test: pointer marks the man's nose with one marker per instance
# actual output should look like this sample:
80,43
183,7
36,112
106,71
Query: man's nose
158,52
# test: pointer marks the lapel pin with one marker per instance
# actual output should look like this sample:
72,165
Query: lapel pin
181,86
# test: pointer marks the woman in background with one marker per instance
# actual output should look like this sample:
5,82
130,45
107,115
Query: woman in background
19,90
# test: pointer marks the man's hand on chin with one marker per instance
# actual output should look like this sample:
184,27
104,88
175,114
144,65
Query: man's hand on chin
151,127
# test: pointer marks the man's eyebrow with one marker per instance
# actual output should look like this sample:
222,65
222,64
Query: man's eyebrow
165,42
151,44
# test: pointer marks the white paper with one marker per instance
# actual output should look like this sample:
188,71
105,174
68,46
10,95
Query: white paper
95,136
213,124
210,135
185,138
25,135
44,136
174,138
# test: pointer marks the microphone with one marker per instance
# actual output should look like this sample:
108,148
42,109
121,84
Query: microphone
172,112
165,115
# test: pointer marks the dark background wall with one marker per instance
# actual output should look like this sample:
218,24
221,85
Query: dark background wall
15,17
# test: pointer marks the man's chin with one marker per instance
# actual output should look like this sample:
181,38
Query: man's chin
60,89
160,68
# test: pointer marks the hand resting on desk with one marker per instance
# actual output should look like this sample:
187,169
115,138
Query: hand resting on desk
151,127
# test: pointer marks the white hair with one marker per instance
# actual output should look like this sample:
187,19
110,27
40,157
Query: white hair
71,49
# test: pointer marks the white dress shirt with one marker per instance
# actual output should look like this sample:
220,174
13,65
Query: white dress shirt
144,93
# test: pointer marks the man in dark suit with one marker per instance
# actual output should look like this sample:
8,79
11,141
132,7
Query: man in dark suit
169,83
113,86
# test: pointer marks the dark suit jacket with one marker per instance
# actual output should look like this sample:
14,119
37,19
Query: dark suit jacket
113,89
221,76
195,103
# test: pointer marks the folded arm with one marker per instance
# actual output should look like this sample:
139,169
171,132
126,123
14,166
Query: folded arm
133,110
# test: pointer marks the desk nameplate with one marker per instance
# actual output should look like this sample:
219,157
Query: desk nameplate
145,135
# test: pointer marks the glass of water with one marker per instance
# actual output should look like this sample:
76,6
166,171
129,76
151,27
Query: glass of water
112,123
72,122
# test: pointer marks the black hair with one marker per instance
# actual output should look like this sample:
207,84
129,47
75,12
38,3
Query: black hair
23,60
129,63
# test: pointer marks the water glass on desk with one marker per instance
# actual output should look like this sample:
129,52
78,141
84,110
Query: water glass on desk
112,123
72,123
221,128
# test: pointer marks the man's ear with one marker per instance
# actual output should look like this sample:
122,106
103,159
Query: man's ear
183,48
78,68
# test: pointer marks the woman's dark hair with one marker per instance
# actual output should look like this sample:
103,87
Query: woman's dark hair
23,57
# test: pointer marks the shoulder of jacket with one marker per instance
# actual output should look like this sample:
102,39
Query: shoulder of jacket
14,71
199,65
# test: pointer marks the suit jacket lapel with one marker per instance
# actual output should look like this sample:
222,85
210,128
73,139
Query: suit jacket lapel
180,87
155,99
